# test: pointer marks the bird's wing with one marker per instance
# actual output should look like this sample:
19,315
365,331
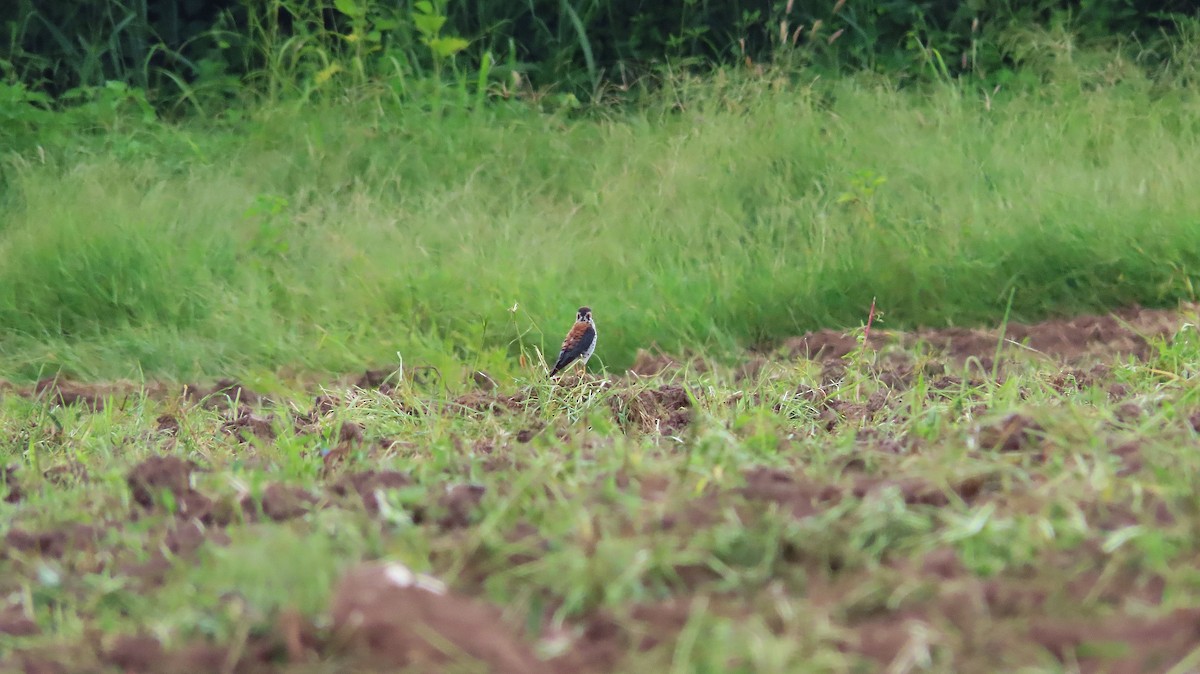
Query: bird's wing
578,340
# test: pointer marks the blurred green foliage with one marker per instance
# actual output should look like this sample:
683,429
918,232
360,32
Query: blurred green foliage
176,49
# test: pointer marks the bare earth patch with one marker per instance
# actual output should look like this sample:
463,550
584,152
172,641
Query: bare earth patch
892,510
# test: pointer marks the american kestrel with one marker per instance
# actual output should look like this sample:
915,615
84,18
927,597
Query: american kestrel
580,342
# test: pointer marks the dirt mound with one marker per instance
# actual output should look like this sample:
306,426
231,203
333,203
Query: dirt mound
66,473
1133,644
165,483
647,364
225,393
605,640
14,623
65,393
391,616
829,344
488,402
370,485
279,502
143,654
1122,332
665,410
458,505
918,490
53,543
9,486
1013,433
803,497
246,424
156,474
798,495
180,542
135,653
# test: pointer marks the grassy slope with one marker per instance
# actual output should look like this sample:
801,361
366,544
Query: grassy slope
335,236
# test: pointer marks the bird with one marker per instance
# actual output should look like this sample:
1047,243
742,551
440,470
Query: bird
580,342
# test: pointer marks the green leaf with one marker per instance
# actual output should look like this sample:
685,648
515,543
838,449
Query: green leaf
447,46
424,6
349,8
429,25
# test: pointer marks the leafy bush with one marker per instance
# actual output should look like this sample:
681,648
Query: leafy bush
195,50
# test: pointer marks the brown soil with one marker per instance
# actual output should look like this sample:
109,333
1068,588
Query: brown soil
1070,340
368,484
180,541
164,484
664,410
1133,644
390,616
1014,433
483,401
224,394
64,393
382,617
459,504
376,379
918,491
246,424
15,623
279,503
799,496
9,486
68,473
53,543
1130,455
648,364
135,653
158,474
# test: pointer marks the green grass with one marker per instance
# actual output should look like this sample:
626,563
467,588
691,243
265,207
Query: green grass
715,213
571,527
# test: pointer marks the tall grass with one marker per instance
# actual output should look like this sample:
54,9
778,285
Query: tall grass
721,211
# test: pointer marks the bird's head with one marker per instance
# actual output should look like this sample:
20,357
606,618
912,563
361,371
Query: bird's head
584,314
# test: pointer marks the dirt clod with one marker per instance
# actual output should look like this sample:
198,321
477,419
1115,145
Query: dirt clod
1130,454
9,486
246,424
827,345
389,615
53,543
1013,433
483,380
168,424
65,393
135,653
369,486
801,496
1133,644
225,394
376,379
14,623
460,502
280,502
664,410
66,473
157,474
647,364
